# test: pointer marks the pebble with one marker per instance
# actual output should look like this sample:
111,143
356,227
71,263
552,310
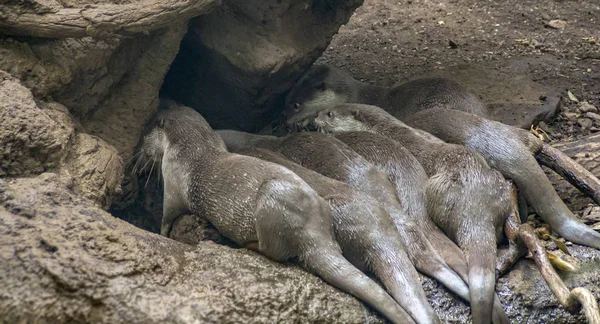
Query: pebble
557,24
584,123
570,115
587,107
593,116
544,126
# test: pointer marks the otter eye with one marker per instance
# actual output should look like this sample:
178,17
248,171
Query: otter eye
330,114
296,106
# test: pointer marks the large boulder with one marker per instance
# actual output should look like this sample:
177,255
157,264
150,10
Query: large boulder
62,259
239,81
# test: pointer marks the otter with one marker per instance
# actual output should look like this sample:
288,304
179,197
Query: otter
465,197
256,204
511,151
323,86
331,157
369,238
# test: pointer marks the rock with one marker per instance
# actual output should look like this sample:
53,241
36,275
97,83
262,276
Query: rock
96,168
109,85
557,24
584,123
587,107
63,259
31,141
570,115
239,82
593,116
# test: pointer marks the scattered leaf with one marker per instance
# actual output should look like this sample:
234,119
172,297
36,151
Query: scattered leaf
559,263
596,227
560,244
572,96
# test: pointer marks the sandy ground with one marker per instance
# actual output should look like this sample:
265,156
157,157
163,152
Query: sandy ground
504,51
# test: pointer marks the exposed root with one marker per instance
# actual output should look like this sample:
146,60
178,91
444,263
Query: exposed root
570,300
572,171
523,235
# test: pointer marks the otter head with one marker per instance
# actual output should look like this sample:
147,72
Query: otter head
340,119
319,88
154,142
182,130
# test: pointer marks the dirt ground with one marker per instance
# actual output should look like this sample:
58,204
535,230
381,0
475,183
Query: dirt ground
504,51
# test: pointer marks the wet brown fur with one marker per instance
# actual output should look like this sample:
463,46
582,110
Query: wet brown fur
465,197
511,151
366,234
331,157
306,97
253,203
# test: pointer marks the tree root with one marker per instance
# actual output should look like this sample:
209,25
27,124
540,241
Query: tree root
523,235
572,171
571,300
101,21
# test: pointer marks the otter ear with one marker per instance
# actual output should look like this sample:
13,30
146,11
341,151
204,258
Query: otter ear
320,86
356,113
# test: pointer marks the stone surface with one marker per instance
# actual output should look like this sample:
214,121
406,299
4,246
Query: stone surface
239,82
64,260
31,141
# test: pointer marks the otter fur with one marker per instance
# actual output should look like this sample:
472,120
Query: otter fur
323,86
511,151
367,236
465,197
254,203
334,159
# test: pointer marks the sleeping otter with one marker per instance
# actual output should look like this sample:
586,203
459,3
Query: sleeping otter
465,197
254,203
324,86
334,159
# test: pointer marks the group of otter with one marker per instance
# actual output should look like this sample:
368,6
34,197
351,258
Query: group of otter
395,181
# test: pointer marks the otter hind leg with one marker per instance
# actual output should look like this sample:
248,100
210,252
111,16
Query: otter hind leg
173,206
292,222
389,262
481,259
572,171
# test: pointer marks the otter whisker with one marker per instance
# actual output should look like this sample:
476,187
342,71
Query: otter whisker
132,158
150,174
138,161
145,165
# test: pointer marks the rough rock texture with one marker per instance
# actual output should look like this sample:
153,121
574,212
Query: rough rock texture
31,141
110,85
239,82
37,137
96,169
64,260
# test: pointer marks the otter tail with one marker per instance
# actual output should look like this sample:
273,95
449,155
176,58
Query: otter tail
480,250
332,267
540,194
391,265
455,259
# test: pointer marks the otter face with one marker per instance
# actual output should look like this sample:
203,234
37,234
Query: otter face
154,143
339,120
320,88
